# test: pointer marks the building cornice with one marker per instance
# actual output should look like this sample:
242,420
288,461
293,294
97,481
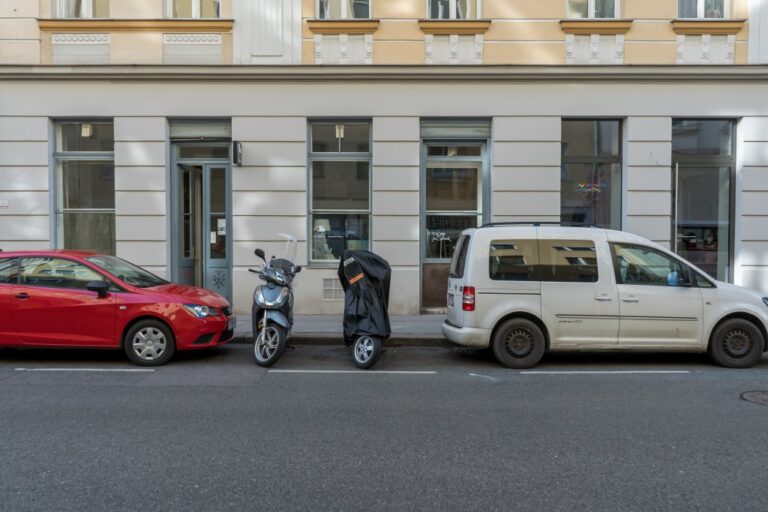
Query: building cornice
458,27
382,73
714,27
595,26
343,26
136,25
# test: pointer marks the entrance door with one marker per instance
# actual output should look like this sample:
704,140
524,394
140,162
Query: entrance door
204,222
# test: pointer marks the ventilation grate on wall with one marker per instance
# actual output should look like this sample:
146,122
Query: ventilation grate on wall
332,289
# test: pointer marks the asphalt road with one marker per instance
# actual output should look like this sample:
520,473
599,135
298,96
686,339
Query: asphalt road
429,429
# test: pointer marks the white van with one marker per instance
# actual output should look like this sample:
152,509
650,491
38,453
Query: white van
527,289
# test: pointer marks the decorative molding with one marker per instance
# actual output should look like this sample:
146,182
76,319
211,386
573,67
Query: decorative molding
368,41
570,48
429,49
131,25
318,48
594,49
731,51
343,49
714,27
453,49
681,48
595,26
619,56
343,26
454,27
192,38
80,38
479,40
706,40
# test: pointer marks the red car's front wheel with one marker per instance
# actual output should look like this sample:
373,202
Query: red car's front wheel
149,343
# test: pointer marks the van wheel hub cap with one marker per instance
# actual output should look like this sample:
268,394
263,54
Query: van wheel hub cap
519,343
737,343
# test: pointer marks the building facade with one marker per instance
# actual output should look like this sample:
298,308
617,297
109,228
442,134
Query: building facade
182,135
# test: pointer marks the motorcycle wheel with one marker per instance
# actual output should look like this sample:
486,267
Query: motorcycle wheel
269,345
366,351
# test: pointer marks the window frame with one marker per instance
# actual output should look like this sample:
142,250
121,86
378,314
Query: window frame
478,14
337,156
598,159
196,11
112,286
591,11
87,11
56,174
694,277
344,7
700,13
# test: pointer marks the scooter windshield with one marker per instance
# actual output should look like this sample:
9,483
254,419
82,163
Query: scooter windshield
288,251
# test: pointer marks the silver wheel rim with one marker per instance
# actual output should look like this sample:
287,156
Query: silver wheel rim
266,343
363,349
149,343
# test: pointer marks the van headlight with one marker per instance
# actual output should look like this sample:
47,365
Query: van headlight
201,311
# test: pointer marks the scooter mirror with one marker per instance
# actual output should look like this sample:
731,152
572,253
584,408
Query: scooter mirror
260,254
298,268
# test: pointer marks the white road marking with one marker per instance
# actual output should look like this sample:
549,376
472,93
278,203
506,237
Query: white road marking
493,379
604,372
358,372
88,370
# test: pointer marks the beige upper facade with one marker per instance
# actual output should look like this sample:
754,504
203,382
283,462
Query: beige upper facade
417,32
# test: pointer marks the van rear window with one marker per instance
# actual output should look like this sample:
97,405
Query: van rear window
459,258
543,260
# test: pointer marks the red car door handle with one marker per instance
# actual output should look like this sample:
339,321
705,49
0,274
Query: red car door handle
22,295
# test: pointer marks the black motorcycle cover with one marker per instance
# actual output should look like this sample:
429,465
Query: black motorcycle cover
365,278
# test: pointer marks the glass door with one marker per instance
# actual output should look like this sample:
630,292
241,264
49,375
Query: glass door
216,226
702,207
452,202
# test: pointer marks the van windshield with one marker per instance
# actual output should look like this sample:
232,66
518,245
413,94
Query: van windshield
459,257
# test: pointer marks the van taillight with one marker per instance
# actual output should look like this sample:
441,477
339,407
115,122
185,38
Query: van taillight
468,298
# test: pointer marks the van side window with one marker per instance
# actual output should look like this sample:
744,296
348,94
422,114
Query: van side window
513,260
459,258
639,265
568,261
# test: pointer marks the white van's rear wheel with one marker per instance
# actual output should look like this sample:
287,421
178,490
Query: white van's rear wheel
519,343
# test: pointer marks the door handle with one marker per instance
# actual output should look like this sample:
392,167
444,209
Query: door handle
630,299
603,298
22,296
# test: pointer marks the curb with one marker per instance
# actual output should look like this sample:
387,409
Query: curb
330,339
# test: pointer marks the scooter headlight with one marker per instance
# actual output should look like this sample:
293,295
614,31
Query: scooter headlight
200,311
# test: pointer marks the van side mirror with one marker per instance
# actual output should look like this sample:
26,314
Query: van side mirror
100,287
260,254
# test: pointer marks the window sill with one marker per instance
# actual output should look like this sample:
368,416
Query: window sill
708,26
452,27
595,26
137,25
343,26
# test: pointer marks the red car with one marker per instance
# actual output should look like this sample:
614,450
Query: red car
85,299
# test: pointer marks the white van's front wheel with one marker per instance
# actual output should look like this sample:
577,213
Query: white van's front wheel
736,343
519,343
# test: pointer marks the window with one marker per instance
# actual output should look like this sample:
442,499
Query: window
453,9
127,272
82,9
194,8
567,261
590,183
85,186
459,258
593,8
9,270
703,174
339,166
343,9
514,260
56,273
636,264
702,9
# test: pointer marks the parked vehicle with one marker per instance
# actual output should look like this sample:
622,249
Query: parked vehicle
365,278
524,290
272,311
85,299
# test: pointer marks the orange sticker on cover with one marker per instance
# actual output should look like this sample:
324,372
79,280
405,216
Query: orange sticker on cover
356,278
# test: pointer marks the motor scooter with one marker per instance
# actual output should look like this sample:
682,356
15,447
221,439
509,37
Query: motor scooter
272,310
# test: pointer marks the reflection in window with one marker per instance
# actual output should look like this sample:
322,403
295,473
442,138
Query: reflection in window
340,175
701,9
591,172
195,8
635,264
343,9
453,9
56,273
514,260
593,8
82,9
701,137
567,261
8,270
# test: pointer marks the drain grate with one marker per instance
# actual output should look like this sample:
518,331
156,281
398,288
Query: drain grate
756,397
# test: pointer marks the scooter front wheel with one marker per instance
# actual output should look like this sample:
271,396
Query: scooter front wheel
366,351
269,345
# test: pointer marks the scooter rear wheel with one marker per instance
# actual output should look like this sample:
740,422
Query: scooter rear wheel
269,345
366,351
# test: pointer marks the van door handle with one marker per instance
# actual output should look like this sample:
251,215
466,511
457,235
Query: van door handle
630,299
603,298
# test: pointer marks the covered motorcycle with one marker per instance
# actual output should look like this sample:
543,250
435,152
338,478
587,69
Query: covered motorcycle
365,278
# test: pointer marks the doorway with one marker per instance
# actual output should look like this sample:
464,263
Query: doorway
202,242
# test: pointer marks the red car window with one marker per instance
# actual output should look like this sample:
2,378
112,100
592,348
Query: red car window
56,273
9,270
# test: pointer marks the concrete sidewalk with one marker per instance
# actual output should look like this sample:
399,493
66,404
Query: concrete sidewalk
327,329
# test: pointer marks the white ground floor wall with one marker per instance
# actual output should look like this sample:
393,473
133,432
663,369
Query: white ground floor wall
269,190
